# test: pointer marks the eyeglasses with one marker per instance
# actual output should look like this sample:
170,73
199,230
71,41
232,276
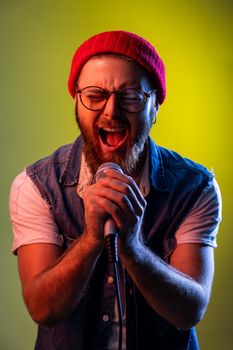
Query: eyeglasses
95,98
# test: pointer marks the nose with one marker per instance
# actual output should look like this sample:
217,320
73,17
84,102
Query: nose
112,108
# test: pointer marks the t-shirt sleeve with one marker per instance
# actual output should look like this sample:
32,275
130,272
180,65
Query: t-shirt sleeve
202,223
31,217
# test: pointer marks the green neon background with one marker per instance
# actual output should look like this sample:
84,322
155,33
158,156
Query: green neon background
38,39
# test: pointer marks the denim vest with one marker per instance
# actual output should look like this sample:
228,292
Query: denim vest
176,183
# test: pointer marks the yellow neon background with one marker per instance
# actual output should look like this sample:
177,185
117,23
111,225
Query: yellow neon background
38,39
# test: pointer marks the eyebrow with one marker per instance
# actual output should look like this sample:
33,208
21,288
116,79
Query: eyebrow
126,85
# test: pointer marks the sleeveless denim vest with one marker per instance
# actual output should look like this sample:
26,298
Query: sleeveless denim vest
176,183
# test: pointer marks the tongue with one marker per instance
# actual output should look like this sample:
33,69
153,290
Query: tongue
114,138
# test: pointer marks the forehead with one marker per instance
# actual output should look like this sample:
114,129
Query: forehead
113,71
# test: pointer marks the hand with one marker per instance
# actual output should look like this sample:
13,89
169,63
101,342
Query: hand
117,196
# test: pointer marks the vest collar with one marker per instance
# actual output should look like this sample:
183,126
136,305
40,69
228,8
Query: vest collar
71,171
156,168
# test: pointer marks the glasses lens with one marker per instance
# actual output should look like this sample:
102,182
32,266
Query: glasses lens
131,100
93,98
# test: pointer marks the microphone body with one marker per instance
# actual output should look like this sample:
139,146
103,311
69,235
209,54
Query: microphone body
110,227
110,241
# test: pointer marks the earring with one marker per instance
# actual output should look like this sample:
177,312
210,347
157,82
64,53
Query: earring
155,120
156,113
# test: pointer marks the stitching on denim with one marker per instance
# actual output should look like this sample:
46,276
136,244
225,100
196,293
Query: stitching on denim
33,169
161,170
41,190
73,146
196,167
68,160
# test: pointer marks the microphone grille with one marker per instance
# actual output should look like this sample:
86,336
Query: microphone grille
106,166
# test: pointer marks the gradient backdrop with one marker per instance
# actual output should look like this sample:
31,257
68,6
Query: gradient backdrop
38,39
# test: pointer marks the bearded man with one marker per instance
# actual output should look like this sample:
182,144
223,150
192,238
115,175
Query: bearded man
166,209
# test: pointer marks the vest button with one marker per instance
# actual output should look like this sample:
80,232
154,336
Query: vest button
110,279
105,318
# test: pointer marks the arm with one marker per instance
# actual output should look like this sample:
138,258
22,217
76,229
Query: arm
52,283
178,292
192,258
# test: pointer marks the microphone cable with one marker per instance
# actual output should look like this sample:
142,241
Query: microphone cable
110,241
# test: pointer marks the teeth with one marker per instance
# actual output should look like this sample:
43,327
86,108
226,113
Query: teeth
112,129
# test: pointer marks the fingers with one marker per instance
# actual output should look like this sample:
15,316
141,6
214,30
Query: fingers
123,215
123,196
119,196
124,184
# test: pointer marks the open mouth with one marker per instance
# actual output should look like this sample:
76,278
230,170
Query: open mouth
113,138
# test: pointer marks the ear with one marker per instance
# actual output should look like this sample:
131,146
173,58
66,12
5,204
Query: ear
76,95
156,110
157,106
76,98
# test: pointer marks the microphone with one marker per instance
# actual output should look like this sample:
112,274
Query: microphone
110,227
110,241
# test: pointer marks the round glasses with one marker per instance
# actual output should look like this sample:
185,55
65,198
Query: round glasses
95,98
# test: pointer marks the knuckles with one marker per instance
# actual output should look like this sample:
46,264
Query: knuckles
93,201
116,211
124,200
127,190
130,181
140,211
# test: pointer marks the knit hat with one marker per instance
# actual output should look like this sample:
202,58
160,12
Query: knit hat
123,43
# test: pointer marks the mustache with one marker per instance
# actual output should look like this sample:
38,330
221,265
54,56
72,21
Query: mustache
106,123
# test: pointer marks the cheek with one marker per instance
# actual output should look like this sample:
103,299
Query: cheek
144,120
86,119
151,112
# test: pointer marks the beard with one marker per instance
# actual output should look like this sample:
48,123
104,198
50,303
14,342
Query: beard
131,158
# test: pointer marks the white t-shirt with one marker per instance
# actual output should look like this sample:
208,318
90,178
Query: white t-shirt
33,220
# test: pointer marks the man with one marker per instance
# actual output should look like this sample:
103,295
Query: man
166,210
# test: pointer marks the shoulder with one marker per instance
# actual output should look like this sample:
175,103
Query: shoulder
172,159
170,170
51,174
57,160
177,166
24,193
59,156
210,200
202,222
22,185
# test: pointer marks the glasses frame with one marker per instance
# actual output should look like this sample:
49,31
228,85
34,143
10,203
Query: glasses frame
146,96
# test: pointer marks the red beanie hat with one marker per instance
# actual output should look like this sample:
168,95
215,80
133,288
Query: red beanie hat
123,43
